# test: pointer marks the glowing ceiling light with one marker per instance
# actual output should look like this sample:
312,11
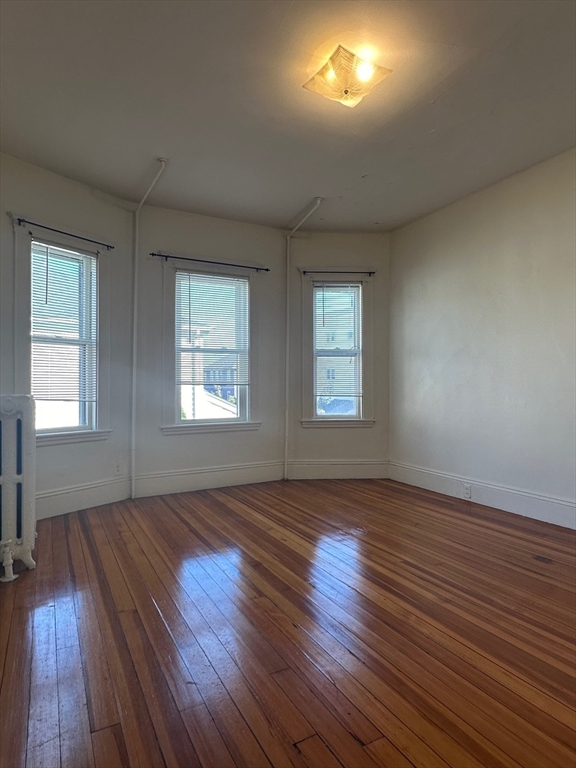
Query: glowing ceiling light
364,71
346,77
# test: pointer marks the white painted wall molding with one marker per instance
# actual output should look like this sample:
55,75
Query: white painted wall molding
60,501
205,427
336,469
201,478
64,438
547,508
337,423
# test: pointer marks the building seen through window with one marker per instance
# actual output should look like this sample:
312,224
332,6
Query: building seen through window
64,337
337,320
212,347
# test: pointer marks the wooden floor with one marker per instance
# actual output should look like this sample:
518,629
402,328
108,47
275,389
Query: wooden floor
311,623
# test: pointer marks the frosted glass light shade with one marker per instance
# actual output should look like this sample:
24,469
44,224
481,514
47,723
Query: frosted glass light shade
346,77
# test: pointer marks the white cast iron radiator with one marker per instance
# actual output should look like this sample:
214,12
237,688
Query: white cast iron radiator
17,482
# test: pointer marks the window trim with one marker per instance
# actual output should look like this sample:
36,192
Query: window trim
220,425
65,438
171,425
22,381
336,423
338,276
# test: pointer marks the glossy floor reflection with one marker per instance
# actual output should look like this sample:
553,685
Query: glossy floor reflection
311,623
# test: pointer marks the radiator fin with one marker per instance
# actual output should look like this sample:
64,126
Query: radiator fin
17,482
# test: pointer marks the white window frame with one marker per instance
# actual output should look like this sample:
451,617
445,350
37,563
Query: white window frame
88,410
172,423
22,381
337,276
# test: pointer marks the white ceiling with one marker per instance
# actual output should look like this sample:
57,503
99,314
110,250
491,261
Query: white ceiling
97,90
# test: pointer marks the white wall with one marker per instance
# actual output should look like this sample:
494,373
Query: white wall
169,462
345,451
79,474
482,348
84,474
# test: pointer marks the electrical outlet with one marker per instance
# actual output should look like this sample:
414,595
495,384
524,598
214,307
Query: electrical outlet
118,469
467,490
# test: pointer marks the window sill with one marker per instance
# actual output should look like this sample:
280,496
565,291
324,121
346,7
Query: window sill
200,427
62,438
336,423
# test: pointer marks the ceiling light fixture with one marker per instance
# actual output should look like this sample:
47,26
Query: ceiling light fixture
346,77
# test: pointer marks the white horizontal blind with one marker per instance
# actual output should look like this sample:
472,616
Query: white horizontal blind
337,311
64,337
212,345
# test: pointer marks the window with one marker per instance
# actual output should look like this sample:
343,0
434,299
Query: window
337,365
64,338
212,347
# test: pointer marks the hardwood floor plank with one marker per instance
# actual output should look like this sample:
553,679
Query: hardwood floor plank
74,726
487,517
206,738
221,683
450,665
173,534
43,748
385,753
224,590
134,566
172,736
309,624
473,531
423,614
346,620
102,708
543,758
8,596
109,748
293,723
390,713
111,566
406,535
345,747
222,624
316,753
126,692
300,524
15,684
380,641
351,717
65,612
75,741
375,547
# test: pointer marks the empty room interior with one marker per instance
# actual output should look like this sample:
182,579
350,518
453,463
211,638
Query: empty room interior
287,377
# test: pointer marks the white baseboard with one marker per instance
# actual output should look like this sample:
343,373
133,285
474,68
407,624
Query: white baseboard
336,470
547,508
60,501
182,480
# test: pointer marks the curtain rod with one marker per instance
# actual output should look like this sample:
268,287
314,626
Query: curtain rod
63,232
206,261
334,272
